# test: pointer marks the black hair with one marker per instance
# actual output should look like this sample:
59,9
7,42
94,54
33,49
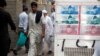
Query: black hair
25,8
3,3
34,4
53,2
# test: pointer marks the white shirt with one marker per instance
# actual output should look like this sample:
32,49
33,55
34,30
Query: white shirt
23,21
48,25
53,15
33,26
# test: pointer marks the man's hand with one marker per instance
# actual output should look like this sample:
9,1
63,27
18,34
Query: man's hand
26,33
16,31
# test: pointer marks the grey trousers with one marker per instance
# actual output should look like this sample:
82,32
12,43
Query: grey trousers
49,42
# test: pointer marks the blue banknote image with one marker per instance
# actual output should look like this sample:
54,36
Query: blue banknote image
69,10
95,20
70,20
93,10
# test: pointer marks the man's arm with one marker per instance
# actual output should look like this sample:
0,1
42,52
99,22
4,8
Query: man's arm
50,26
25,24
11,23
43,30
43,27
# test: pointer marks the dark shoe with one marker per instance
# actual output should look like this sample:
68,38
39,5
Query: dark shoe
15,52
26,51
10,50
50,52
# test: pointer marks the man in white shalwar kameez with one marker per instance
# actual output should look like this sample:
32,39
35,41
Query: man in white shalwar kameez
36,31
48,31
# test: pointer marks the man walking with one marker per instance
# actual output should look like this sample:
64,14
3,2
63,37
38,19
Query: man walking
5,19
48,31
36,30
23,27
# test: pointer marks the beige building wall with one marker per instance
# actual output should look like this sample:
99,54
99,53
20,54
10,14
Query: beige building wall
44,5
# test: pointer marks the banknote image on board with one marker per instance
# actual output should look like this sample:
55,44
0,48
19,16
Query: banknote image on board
68,9
91,30
93,20
91,10
67,19
90,20
67,29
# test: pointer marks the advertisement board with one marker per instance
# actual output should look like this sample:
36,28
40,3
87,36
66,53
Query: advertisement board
78,20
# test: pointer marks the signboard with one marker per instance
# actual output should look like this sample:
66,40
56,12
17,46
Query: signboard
68,20
79,20
90,20
76,19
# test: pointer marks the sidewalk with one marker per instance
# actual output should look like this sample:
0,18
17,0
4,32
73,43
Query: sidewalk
22,52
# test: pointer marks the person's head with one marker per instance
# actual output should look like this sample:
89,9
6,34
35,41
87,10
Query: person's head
44,12
34,7
53,6
3,3
25,9
53,2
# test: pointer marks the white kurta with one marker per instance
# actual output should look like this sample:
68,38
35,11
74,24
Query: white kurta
48,25
53,15
35,31
23,20
48,32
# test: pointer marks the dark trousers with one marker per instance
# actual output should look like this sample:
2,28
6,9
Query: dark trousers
4,46
27,44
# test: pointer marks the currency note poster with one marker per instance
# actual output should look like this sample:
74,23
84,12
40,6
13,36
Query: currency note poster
67,30
90,20
67,19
